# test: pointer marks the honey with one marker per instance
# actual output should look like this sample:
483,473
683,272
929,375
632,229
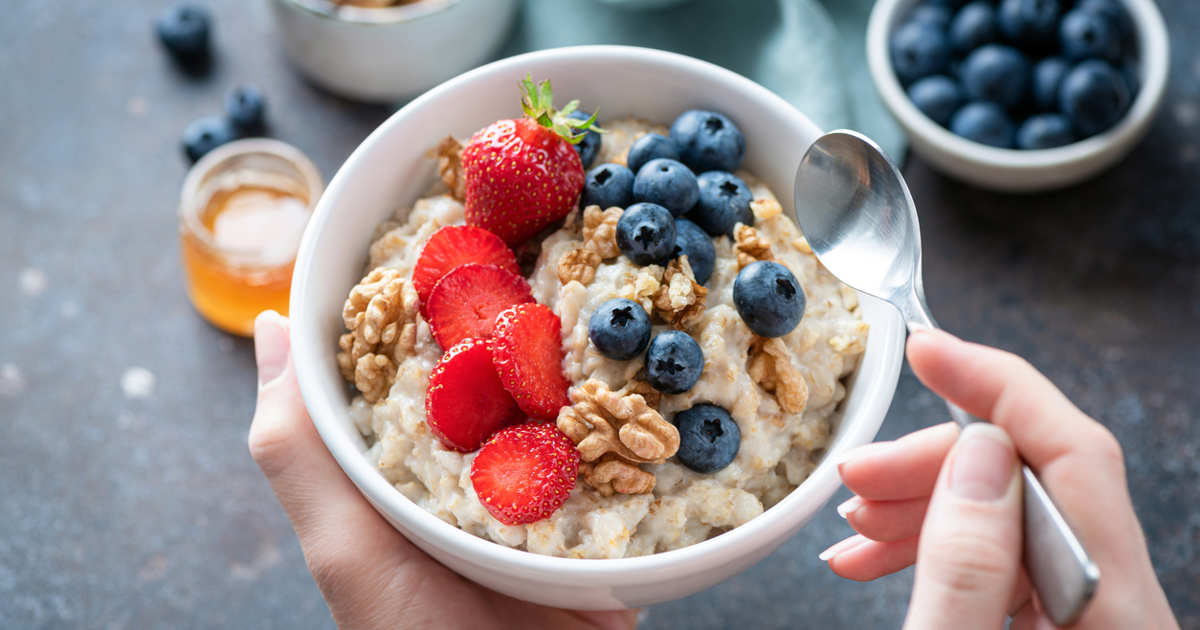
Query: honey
241,218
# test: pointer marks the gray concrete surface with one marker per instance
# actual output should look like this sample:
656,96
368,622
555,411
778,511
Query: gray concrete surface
129,500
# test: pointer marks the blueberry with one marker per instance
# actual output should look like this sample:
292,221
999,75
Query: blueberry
769,298
245,108
1030,24
938,97
708,141
205,134
996,73
973,26
708,438
1044,131
674,362
184,31
1047,76
646,234
1087,34
667,183
919,50
649,147
606,186
1094,96
1115,11
694,242
985,123
620,329
590,144
932,14
724,202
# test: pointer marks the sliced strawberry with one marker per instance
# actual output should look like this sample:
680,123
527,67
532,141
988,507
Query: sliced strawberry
456,245
524,473
528,354
465,402
465,302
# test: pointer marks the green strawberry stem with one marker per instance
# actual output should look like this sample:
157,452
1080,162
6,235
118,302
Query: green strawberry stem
538,103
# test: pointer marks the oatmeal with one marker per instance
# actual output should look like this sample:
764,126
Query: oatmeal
633,496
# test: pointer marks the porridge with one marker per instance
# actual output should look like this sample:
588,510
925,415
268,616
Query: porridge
685,400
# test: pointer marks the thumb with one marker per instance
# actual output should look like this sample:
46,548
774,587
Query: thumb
969,555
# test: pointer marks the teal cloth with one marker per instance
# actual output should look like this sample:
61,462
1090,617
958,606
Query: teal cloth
811,54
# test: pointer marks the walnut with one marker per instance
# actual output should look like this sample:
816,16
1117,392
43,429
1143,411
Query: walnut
601,421
642,285
380,313
449,166
679,299
750,245
770,365
600,230
578,264
652,396
613,474
766,208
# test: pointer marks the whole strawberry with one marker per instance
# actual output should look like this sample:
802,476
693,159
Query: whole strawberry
523,174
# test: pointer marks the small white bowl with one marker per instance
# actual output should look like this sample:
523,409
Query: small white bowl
1011,170
391,53
392,168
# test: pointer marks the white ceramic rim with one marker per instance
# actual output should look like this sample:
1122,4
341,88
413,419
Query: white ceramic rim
1154,57
821,484
371,15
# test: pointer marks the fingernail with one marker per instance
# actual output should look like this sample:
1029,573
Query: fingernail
270,346
841,546
984,463
849,505
862,452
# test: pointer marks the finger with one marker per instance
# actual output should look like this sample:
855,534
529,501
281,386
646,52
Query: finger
885,521
861,559
340,532
1005,389
902,469
1030,617
968,559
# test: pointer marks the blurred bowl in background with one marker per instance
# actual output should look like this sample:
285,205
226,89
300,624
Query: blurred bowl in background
391,53
1012,170
643,4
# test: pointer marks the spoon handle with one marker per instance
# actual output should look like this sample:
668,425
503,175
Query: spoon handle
1059,567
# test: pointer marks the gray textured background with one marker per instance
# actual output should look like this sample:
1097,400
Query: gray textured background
127,506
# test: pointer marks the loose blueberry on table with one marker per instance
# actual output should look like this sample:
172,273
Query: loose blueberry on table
1018,68
205,134
246,109
184,31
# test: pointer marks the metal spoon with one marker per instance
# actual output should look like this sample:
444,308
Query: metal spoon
857,214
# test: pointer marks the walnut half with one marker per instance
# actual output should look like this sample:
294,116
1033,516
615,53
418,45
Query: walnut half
679,299
615,431
770,365
750,245
380,314
449,166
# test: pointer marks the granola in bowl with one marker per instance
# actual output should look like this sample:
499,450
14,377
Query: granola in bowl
636,446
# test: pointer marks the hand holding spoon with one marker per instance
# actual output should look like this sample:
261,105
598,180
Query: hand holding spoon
860,220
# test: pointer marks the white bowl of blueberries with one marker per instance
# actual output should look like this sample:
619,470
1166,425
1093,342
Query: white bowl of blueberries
1020,95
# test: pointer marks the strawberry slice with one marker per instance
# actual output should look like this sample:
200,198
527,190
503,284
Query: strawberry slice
456,245
465,402
528,354
524,473
465,302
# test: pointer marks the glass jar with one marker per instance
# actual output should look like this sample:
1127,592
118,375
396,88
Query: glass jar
241,215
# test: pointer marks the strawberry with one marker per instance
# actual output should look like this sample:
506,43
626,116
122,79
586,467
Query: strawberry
465,302
524,473
456,245
521,175
528,355
465,402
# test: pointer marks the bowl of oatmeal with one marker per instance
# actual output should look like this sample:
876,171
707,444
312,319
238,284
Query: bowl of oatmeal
644,519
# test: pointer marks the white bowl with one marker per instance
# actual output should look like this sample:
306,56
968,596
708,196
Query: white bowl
1009,169
388,54
392,168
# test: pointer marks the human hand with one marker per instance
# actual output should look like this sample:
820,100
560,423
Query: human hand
953,504
369,574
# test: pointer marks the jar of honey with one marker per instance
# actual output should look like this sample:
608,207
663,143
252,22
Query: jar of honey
241,215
